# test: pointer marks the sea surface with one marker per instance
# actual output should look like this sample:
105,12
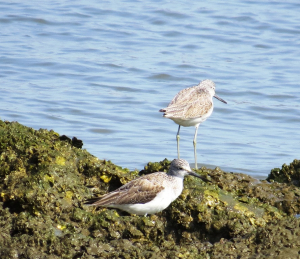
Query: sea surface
101,70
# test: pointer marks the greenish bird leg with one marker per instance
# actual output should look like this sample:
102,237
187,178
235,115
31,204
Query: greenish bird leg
178,137
195,144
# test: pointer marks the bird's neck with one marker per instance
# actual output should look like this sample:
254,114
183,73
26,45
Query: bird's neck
175,175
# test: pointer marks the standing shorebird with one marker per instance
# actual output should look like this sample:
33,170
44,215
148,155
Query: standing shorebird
190,107
150,193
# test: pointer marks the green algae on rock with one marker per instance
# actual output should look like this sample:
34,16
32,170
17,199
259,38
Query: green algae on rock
287,174
45,178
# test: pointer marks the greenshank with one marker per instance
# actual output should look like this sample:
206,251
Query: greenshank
150,193
190,107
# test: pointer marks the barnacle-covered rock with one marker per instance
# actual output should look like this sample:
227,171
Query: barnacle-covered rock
287,174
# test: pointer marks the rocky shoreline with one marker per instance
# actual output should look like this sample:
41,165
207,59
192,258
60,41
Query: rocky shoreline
45,179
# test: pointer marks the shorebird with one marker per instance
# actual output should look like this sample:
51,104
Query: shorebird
150,193
190,107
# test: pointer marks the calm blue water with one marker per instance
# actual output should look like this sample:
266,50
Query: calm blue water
101,70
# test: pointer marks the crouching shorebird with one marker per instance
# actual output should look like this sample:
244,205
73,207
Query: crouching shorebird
150,193
190,107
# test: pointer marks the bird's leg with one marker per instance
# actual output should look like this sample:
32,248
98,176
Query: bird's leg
177,137
195,144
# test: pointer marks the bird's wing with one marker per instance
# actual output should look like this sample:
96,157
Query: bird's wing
183,96
188,102
141,190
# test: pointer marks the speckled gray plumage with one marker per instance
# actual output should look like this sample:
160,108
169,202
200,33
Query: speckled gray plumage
192,102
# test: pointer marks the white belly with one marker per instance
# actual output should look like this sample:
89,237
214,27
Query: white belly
188,122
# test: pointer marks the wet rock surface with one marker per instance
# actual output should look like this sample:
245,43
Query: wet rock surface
45,179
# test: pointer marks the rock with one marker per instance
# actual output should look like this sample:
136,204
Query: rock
45,179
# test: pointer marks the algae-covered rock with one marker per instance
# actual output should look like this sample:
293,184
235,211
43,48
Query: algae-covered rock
45,179
287,174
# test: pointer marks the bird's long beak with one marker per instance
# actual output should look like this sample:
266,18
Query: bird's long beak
220,99
199,176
